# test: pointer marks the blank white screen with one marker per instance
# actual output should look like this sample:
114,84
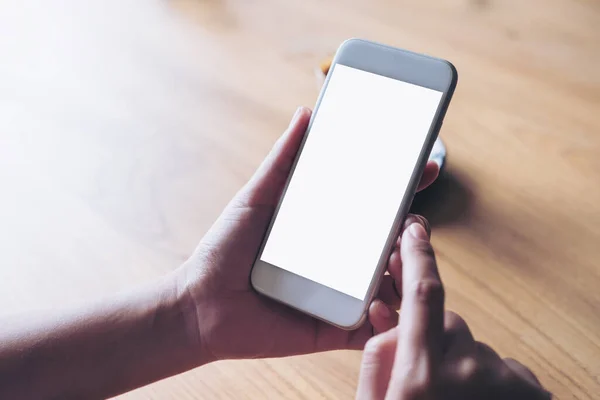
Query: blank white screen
350,179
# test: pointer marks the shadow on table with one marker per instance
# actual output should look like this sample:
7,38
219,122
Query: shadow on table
447,201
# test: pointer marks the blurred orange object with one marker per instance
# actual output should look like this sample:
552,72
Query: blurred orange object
322,70
325,65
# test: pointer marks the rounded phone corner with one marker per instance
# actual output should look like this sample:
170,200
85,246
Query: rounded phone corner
253,280
452,72
349,42
356,324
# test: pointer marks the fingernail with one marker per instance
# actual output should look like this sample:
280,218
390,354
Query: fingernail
411,219
425,224
384,310
296,116
418,231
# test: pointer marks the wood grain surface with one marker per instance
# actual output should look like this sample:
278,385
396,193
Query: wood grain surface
126,126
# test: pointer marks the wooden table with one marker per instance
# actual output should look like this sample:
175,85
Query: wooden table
125,127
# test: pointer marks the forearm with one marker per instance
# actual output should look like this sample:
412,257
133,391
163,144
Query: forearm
104,349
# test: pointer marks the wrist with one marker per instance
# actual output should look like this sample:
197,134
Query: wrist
183,285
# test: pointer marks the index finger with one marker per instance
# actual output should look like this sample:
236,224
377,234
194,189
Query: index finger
421,326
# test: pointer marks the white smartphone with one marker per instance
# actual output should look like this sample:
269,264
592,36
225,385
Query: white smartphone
353,180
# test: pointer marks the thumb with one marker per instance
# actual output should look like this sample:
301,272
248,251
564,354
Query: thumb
265,186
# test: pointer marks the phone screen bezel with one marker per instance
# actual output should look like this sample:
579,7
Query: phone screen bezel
321,301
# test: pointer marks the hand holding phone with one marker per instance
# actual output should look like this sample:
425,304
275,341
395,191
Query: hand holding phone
231,319
352,182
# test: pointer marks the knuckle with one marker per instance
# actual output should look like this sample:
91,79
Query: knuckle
485,350
428,290
516,368
419,387
453,321
482,346
424,249
468,369
375,348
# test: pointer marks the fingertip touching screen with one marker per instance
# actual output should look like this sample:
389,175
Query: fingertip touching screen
350,179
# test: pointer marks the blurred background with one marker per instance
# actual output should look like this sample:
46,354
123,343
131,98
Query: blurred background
126,126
